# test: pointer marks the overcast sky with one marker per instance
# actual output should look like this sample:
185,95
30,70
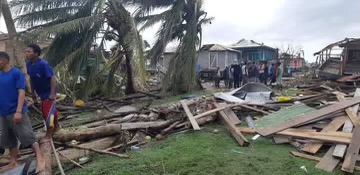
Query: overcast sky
310,23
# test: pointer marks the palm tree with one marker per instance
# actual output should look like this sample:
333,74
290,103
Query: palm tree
75,27
15,52
182,21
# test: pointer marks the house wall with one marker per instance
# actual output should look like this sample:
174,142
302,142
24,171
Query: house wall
224,58
257,54
296,63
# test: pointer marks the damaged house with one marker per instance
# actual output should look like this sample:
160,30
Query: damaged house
254,51
339,59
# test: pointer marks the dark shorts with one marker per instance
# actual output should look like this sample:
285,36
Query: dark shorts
11,132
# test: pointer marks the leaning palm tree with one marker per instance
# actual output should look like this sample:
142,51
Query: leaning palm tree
76,26
15,51
181,21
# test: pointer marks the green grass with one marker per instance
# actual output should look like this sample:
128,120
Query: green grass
203,153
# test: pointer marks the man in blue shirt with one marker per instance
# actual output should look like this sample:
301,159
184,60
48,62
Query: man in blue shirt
15,122
43,84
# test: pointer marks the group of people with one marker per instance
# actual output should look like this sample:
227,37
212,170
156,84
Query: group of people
236,75
14,119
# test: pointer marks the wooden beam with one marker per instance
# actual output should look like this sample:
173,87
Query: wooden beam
308,116
334,125
340,149
230,127
349,111
352,152
328,163
253,109
192,120
223,107
314,158
332,137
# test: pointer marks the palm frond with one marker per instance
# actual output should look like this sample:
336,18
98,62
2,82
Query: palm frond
28,6
165,34
75,25
44,16
151,20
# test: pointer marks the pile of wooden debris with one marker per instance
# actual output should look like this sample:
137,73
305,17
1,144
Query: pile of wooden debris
320,117
332,125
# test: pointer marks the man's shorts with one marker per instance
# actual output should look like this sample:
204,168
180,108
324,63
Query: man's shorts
45,109
12,132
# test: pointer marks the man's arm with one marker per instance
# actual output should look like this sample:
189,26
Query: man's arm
21,100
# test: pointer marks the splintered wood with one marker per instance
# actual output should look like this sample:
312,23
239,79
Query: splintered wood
313,129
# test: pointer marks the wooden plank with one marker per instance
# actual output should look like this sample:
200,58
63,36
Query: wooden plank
332,126
192,120
349,111
223,107
254,109
332,137
328,163
232,116
314,158
308,116
340,149
352,152
230,127
278,139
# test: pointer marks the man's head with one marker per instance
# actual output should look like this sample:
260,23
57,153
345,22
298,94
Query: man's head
279,63
4,60
33,51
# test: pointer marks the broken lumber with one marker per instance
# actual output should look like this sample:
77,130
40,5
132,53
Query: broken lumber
348,127
75,154
328,163
223,107
314,158
96,150
73,162
332,137
87,134
349,111
307,117
352,151
253,109
192,120
332,126
230,127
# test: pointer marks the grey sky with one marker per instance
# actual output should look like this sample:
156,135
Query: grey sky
310,23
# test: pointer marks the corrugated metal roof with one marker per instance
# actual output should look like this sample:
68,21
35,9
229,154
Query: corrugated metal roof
243,43
217,47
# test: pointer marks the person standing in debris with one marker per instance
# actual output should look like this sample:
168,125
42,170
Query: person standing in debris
237,75
231,76
266,73
261,72
43,83
245,74
253,72
279,75
217,78
226,76
273,74
14,120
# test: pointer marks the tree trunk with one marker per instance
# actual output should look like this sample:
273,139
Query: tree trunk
15,50
129,74
87,134
121,21
47,154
